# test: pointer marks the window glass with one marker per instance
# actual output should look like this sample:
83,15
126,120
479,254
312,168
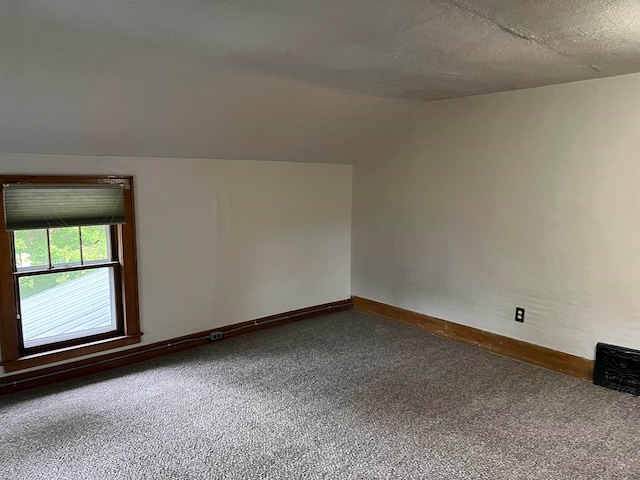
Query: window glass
95,241
65,245
35,284
55,307
31,248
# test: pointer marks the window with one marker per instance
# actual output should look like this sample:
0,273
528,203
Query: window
68,282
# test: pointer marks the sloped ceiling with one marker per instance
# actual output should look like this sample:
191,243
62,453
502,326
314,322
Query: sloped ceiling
310,80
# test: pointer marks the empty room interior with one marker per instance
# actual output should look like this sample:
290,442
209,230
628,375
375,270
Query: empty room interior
320,239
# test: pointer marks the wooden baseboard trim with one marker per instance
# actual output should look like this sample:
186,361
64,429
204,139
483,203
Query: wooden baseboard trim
58,373
508,347
70,353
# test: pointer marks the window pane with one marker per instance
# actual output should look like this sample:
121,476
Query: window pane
61,306
95,242
65,245
31,248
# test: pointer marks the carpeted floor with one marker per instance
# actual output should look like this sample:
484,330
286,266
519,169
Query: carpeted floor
339,397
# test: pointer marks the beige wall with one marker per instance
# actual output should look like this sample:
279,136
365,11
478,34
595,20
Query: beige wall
221,242
524,198
527,198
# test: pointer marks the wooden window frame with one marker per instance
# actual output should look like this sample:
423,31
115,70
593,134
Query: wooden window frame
12,357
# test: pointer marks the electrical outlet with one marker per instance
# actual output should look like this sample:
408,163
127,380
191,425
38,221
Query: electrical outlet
213,336
519,314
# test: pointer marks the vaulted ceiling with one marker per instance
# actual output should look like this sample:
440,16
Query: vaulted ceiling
244,78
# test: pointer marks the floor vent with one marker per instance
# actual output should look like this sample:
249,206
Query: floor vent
617,368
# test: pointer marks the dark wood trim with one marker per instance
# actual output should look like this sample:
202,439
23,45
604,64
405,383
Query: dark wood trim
9,344
61,179
48,375
62,354
128,260
287,317
508,347
33,272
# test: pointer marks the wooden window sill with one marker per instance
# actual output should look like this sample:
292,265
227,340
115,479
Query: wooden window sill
45,358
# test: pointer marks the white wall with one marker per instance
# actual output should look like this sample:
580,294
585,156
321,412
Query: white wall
528,198
221,242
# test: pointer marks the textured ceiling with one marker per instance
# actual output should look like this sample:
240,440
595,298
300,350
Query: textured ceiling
298,80
419,49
